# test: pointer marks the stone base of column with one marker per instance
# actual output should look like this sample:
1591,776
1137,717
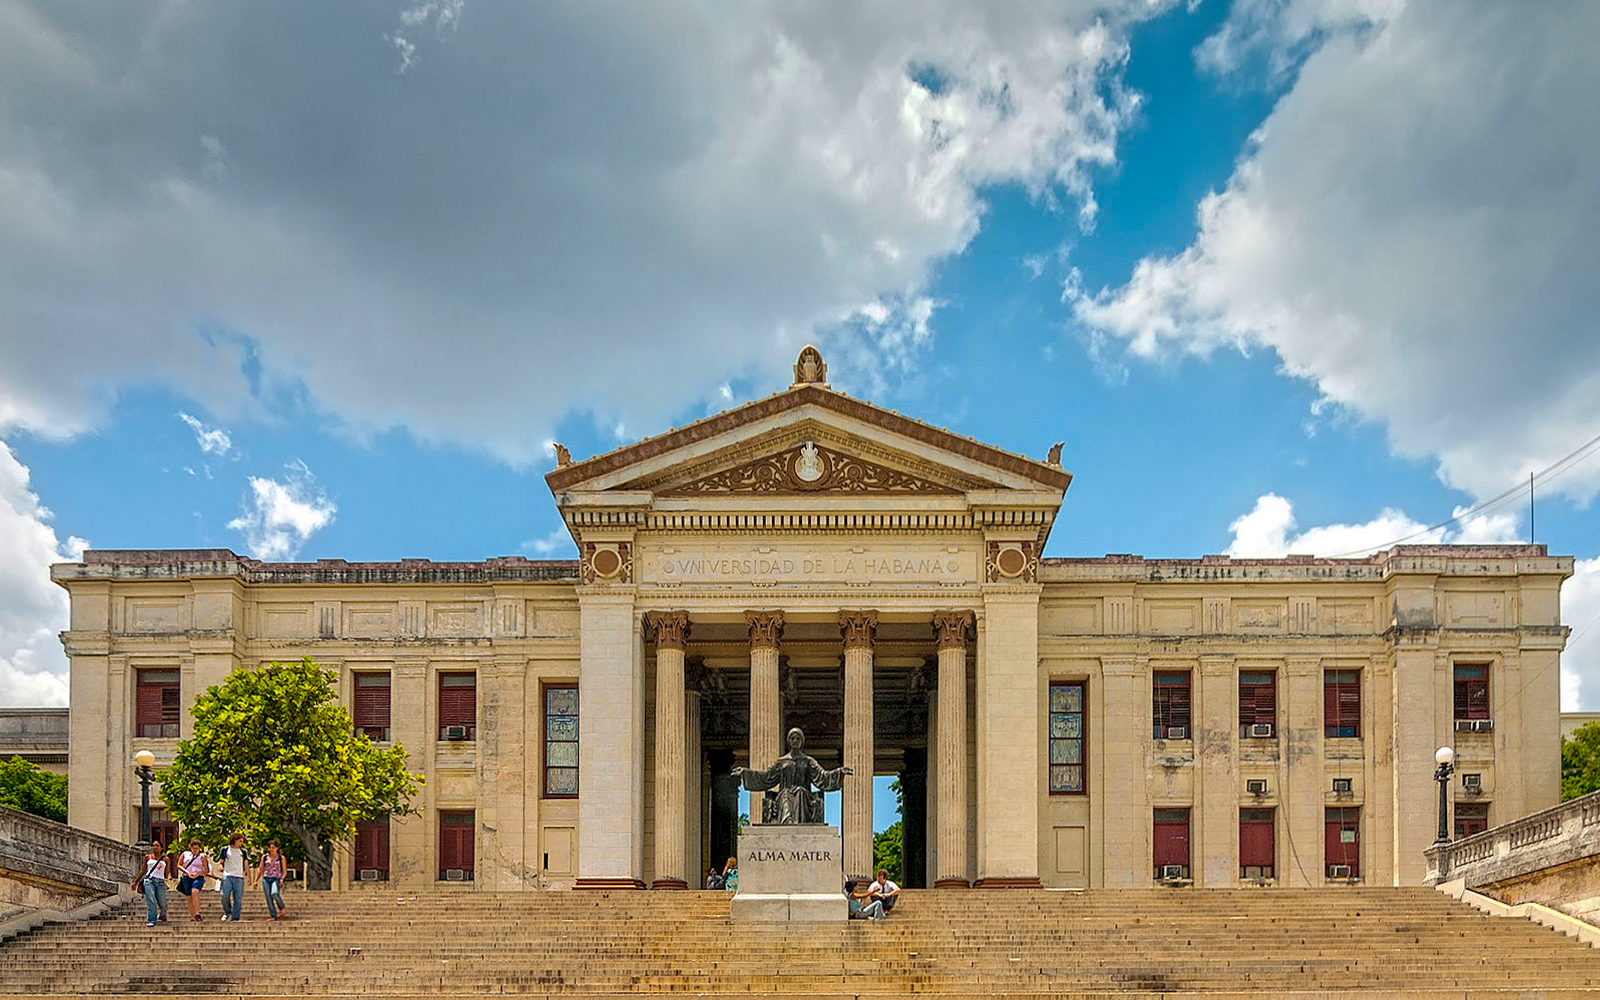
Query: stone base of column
1025,882
669,883
598,884
952,883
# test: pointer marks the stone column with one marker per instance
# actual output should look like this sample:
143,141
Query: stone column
951,629
859,628
671,630
610,741
766,710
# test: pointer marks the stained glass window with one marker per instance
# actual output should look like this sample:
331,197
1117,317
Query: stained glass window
560,741
1066,738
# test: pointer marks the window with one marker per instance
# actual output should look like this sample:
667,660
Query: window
1341,703
1342,842
371,708
163,828
458,706
1066,739
1171,704
1471,818
1472,691
158,708
560,741
456,833
372,851
1258,704
1171,841
1258,849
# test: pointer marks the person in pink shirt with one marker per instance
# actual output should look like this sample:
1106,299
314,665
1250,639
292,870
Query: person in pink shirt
192,867
270,874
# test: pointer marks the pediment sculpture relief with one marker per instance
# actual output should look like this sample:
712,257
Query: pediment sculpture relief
809,468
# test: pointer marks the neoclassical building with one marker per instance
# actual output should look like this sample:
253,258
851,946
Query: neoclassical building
813,560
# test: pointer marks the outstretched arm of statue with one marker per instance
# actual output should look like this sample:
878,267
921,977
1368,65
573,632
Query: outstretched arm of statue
828,781
756,780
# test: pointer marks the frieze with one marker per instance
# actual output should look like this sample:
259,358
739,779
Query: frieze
810,468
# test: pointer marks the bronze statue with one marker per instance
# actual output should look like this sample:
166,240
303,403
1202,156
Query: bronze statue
788,782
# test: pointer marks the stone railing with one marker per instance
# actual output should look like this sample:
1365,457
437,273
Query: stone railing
47,854
1535,843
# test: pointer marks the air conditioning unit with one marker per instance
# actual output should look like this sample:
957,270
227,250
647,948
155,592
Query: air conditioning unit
1338,871
289,875
378,734
1483,725
1465,725
1342,786
369,875
455,874
1472,782
1256,786
1171,873
1258,871
455,732
1261,731
1177,732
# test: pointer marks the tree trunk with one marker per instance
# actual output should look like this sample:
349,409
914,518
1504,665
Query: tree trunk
319,857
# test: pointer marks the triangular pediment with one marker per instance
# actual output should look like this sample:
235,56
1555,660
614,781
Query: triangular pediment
805,459
805,441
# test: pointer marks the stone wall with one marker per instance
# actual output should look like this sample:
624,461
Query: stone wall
49,866
1550,857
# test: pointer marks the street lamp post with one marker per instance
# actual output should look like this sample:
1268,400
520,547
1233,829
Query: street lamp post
1445,757
142,764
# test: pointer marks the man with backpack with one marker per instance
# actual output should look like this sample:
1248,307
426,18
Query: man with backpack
234,866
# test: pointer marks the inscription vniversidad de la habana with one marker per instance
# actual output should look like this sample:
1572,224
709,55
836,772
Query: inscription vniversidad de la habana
820,566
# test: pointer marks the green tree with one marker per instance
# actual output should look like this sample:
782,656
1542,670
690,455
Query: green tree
1580,761
888,851
27,786
274,756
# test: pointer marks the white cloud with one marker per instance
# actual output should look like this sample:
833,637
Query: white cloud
279,516
710,191
557,543
1268,531
212,440
1580,664
1413,233
33,668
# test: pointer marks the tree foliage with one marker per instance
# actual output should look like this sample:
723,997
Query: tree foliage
888,851
1580,761
274,756
27,786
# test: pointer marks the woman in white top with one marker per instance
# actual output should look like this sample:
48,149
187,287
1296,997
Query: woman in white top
154,880
234,866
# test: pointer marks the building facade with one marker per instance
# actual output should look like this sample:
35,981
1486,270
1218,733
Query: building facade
812,560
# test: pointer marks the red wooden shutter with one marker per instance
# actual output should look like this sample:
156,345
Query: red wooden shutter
1257,840
1171,842
372,846
458,700
371,708
1342,839
1247,705
1266,702
158,707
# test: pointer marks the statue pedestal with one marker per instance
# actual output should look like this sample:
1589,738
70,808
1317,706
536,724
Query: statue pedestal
791,874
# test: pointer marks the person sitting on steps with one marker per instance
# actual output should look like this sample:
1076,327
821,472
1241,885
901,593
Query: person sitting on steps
862,905
885,891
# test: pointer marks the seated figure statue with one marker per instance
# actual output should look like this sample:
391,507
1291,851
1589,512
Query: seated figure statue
788,784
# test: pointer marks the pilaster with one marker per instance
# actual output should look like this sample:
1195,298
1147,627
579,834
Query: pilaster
1215,843
1010,735
610,740
1124,785
1300,777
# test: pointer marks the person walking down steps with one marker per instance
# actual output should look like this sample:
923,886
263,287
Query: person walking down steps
153,882
234,867
192,867
270,874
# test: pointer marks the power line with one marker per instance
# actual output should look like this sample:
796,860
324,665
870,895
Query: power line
1556,469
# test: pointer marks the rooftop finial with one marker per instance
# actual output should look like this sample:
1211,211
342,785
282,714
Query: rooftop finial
809,368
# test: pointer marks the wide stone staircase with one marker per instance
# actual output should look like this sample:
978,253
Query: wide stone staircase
1013,943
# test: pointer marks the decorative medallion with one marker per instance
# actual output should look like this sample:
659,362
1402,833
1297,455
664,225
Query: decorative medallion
605,562
1010,561
810,468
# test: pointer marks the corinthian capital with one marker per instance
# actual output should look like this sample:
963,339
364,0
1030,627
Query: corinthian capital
859,628
766,628
952,628
671,628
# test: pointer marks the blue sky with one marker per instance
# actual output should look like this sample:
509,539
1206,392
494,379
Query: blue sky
1282,276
